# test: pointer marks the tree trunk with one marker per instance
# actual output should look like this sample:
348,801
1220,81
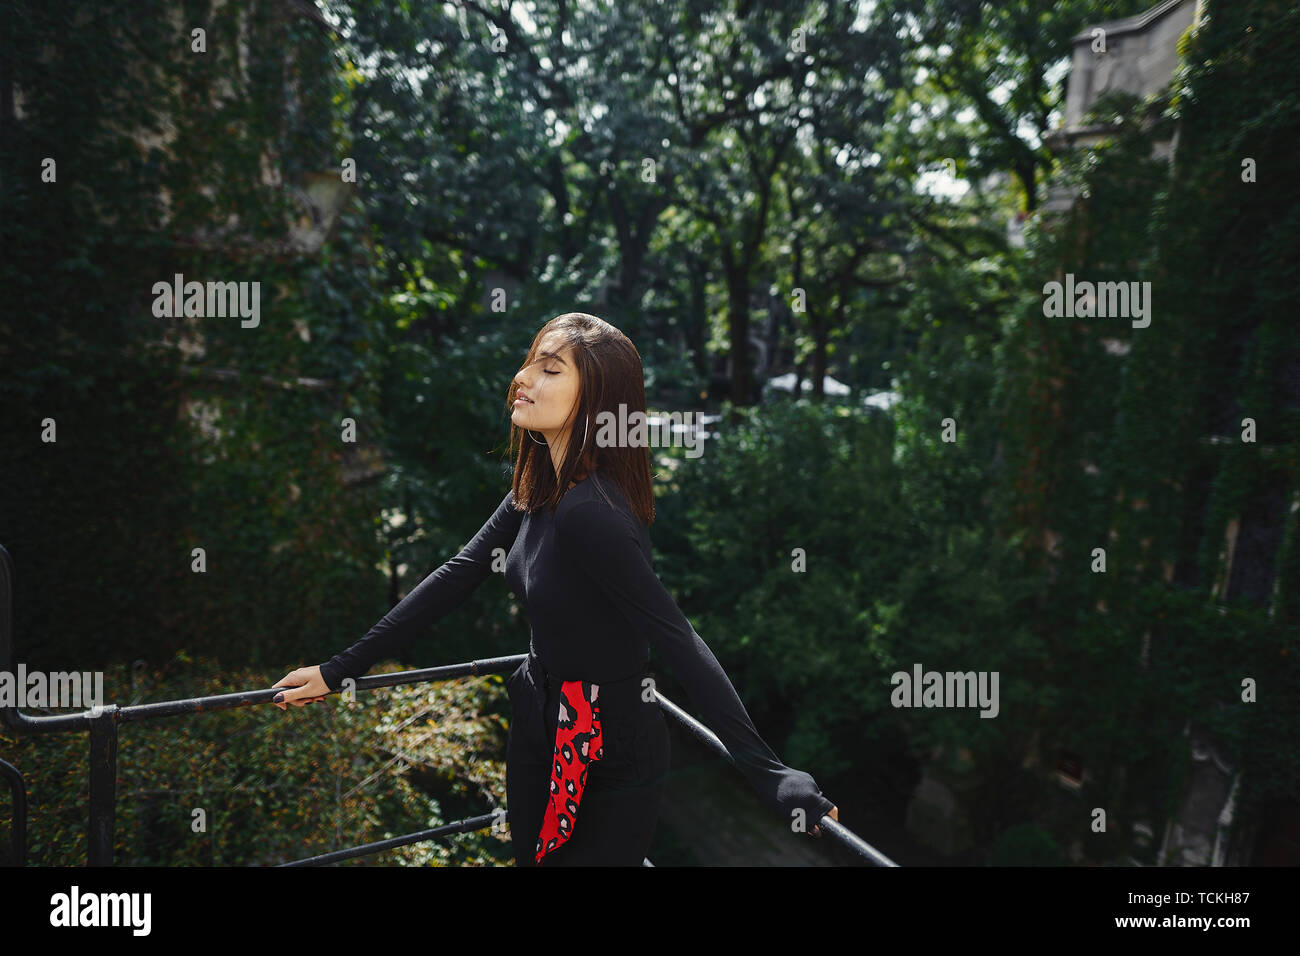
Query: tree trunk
738,319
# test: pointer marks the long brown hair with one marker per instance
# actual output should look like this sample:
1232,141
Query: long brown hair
609,375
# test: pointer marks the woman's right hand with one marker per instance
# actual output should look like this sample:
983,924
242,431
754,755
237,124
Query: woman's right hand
303,686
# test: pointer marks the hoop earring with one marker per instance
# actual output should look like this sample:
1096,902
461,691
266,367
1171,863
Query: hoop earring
585,426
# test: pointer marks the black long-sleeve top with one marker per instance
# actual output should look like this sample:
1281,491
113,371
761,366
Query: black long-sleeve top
595,604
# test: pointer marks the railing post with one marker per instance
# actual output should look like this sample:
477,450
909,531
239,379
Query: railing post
103,786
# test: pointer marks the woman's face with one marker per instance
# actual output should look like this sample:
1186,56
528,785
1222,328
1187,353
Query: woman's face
547,390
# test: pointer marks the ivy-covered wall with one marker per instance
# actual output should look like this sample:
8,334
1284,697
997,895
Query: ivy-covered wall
1173,446
140,149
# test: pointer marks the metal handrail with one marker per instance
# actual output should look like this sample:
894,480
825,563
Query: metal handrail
461,826
102,724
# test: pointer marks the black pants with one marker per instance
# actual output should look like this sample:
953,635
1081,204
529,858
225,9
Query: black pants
620,803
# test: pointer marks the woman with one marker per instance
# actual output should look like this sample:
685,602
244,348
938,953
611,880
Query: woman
588,750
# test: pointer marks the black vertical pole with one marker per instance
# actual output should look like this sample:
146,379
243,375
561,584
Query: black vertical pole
103,786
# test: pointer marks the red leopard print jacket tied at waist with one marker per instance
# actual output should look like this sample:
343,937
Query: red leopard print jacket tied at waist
578,743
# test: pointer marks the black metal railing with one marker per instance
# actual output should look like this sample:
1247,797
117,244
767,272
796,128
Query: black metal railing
102,724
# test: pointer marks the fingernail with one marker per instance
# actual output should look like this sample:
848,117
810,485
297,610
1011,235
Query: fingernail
279,698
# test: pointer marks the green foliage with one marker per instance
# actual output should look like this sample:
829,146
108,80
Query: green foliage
1026,844
276,786
109,514
1129,439
744,508
889,582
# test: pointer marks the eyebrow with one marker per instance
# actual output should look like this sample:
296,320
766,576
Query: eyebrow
554,355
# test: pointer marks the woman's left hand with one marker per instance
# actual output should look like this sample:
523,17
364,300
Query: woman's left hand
834,814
